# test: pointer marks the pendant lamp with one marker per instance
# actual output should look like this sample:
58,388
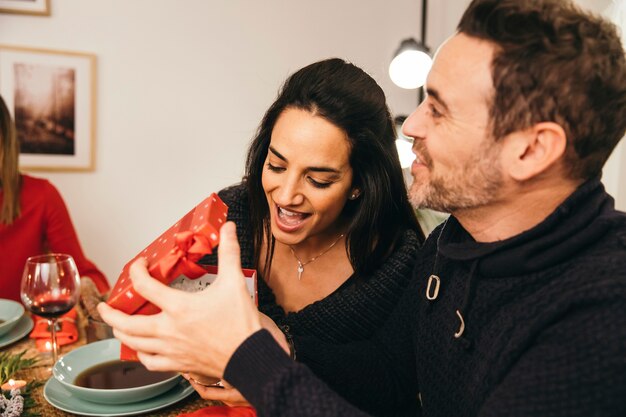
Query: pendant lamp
411,62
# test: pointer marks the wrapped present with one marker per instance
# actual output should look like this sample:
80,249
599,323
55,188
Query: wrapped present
173,254
199,284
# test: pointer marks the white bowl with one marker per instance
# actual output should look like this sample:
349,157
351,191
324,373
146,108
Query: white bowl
70,366
10,313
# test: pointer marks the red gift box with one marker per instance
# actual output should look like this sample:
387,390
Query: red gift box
172,254
199,284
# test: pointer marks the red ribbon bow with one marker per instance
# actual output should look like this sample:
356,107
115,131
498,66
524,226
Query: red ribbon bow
181,260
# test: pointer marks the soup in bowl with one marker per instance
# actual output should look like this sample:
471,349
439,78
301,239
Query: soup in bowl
94,373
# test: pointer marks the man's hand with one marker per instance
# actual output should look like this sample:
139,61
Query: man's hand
195,332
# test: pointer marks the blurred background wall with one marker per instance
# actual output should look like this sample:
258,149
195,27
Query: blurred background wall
182,86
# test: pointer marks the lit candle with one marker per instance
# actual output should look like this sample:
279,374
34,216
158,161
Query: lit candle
13,384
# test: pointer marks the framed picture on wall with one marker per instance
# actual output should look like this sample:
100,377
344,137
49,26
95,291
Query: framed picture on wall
52,97
36,7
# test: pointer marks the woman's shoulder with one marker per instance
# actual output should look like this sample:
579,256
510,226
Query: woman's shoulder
390,277
236,198
234,194
41,188
35,183
405,251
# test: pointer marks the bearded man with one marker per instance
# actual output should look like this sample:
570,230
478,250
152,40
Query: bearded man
518,302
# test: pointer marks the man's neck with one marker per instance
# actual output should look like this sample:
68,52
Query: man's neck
520,209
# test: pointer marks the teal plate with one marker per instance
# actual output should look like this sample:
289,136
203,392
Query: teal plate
62,399
21,329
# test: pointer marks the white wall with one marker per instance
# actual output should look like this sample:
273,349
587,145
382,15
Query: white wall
182,86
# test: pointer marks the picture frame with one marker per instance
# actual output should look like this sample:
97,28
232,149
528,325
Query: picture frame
52,97
32,7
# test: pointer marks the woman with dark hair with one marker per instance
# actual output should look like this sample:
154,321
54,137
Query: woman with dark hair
324,217
33,219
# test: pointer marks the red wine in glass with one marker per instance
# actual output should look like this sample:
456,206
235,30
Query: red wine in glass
51,308
50,288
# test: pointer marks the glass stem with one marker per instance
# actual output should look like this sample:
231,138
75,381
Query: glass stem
53,332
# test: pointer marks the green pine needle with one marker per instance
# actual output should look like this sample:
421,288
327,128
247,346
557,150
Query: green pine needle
10,364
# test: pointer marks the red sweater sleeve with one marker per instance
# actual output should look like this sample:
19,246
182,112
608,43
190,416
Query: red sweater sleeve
61,237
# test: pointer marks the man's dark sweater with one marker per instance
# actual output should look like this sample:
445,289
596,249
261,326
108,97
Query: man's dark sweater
544,316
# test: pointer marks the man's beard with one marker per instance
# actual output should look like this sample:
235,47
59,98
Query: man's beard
471,185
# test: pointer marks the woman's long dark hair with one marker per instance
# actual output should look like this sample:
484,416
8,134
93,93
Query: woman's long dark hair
350,99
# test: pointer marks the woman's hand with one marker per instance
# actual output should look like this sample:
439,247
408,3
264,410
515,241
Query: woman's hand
228,395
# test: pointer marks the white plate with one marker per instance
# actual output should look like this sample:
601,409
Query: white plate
21,329
60,398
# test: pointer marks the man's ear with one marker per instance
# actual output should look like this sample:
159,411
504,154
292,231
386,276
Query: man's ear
530,152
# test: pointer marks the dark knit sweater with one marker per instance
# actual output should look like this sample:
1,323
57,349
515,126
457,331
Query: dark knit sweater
351,313
545,325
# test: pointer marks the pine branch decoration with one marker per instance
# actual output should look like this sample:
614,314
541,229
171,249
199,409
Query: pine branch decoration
11,364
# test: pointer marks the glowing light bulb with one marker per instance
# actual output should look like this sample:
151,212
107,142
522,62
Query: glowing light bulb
409,68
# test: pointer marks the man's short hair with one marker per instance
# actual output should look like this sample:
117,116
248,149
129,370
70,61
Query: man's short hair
554,62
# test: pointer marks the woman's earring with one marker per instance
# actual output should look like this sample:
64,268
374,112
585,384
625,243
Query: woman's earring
354,195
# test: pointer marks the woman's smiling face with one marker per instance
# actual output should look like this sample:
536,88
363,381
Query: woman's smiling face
307,177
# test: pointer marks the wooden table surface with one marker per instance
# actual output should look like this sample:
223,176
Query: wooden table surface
42,372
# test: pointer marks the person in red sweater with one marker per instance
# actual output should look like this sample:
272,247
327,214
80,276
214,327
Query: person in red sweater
33,219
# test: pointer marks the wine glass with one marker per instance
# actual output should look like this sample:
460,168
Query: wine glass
50,288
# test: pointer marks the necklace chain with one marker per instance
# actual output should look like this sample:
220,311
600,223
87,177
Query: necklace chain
301,264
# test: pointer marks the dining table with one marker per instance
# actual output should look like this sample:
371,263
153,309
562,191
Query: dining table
42,371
